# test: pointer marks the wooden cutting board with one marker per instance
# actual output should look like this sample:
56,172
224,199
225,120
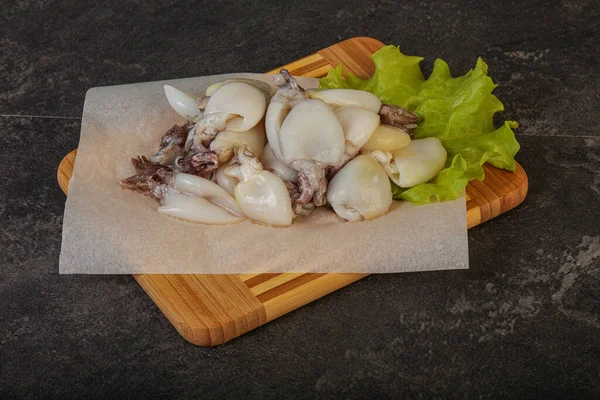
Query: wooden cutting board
208,310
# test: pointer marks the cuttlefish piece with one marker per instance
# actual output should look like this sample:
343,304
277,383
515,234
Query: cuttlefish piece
196,199
287,96
183,103
387,138
392,114
264,87
346,97
225,181
227,140
360,190
235,106
358,125
416,163
311,131
195,209
262,195
183,196
289,177
204,188
240,105
272,163
274,118
311,140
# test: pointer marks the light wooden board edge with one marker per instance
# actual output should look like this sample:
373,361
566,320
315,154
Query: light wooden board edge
261,299
207,310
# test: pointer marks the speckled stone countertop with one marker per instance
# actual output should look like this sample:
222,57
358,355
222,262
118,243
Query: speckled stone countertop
523,322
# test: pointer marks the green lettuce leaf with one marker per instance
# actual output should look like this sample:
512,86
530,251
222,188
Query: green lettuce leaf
397,77
497,148
458,111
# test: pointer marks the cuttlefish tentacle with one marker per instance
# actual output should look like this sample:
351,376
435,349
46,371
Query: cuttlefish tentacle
302,210
199,161
150,179
312,184
399,117
290,81
244,165
319,196
294,191
306,189
171,145
204,132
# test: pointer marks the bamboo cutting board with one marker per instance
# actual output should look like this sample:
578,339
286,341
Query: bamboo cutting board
208,310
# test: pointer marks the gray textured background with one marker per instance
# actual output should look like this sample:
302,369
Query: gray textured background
524,321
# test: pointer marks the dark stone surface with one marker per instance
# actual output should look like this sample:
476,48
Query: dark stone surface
523,322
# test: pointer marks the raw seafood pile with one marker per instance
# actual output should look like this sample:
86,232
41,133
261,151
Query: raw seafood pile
249,151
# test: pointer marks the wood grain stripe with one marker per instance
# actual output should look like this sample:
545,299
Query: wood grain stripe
274,282
372,45
346,54
312,69
258,279
367,65
294,283
298,64
204,310
297,296
473,214
245,277
319,72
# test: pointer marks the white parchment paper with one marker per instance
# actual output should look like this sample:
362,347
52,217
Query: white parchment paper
108,230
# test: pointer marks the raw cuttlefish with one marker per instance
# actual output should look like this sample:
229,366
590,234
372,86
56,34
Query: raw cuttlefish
230,106
249,151
261,195
360,190
416,163
182,195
